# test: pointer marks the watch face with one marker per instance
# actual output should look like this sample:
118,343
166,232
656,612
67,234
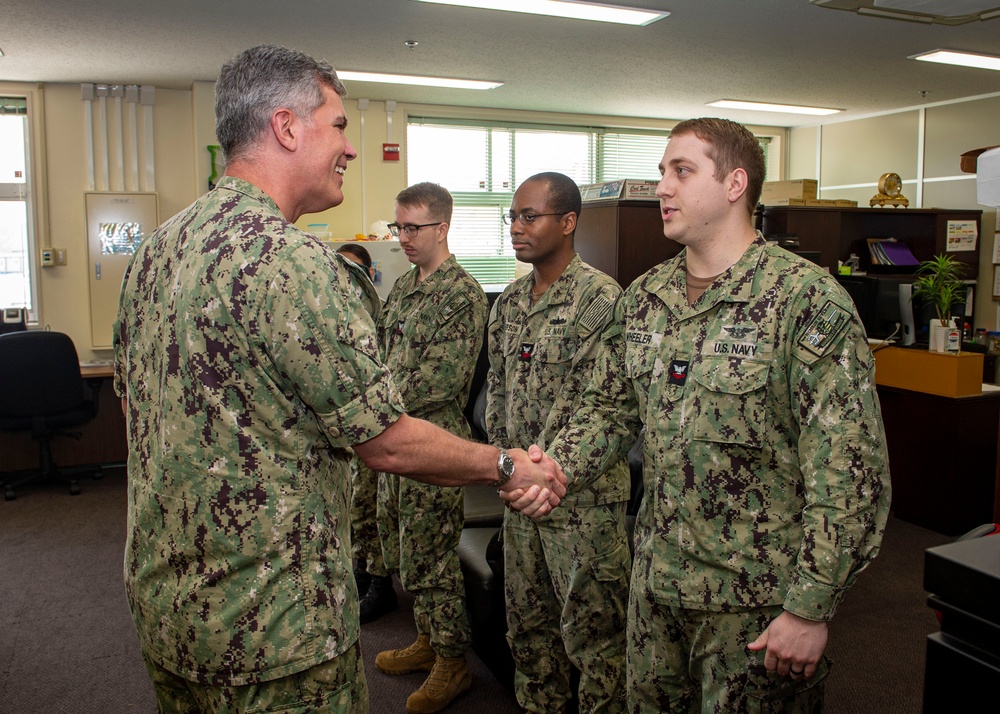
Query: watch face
506,465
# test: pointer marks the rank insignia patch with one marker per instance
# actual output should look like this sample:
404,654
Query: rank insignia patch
739,332
824,328
526,350
678,372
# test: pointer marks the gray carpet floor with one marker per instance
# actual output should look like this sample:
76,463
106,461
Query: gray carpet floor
67,644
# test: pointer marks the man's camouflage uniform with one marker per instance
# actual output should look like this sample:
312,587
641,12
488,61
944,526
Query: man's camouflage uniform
566,575
430,335
365,543
249,368
765,469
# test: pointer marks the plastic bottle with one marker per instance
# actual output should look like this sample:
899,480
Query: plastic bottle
954,343
993,342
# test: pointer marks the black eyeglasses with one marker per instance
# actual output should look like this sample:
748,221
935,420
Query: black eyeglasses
409,229
527,218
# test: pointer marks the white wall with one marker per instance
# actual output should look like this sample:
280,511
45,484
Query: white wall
63,179
923,146
184,126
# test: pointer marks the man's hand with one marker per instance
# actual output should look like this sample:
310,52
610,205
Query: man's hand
538,483
794,645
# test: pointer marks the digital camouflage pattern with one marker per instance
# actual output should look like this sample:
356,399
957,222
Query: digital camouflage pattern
566,575
541,358
363,286
430,334
249,367
365,543
337,685
765,469
712,671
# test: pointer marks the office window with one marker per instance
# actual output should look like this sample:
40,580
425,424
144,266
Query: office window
483,163
17,279
482,166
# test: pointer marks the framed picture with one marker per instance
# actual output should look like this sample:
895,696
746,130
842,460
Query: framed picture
996,282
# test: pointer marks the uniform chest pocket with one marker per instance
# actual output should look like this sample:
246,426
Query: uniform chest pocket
404,345
550,361
730,401
651,384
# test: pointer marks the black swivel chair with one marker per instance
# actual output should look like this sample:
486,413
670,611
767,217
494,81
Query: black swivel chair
42,392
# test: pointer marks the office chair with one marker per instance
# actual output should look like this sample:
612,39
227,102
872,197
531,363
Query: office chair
42,392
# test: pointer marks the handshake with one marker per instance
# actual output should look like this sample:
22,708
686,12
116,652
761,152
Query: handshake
537,484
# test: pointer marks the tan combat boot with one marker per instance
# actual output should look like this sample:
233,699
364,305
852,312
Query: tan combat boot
448,679
418,657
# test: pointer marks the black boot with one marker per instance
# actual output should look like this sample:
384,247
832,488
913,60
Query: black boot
379,600
361,577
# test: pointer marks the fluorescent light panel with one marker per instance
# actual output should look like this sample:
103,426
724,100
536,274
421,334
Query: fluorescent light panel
765,107
416,81
565,8
945,8
962,59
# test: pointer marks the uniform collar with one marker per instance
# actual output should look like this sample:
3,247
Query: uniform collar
735,285
231,183
561,291
442,273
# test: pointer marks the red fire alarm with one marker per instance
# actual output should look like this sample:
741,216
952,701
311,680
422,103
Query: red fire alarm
390,152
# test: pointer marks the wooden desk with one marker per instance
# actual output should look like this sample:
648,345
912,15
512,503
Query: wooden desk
103,440
942,458
97,370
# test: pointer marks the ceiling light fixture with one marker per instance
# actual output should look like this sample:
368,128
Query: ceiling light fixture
962,59
937,12
565,8
414,80
765,107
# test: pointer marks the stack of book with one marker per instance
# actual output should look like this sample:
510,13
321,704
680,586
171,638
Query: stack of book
889,251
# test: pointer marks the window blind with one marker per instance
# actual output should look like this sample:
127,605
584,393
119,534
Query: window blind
482,163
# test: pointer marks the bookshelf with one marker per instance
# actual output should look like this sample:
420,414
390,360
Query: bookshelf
623,238
837,232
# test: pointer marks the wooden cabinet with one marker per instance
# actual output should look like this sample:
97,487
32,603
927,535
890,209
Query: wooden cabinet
623,238
942,458
102,440
838,232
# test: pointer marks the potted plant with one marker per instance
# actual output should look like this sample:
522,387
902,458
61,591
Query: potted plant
939,282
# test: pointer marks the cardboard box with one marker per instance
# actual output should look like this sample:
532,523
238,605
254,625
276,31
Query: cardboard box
970,159
828,202
784,202
920,370
798,188
625,189
844,203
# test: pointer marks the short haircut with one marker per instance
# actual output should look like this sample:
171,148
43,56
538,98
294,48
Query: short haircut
564,194
259,80
358,251
432,196
732,147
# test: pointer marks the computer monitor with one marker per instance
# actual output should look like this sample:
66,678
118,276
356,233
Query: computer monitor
886,308
13,319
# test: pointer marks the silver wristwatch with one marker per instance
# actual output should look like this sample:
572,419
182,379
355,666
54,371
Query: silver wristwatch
505,468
